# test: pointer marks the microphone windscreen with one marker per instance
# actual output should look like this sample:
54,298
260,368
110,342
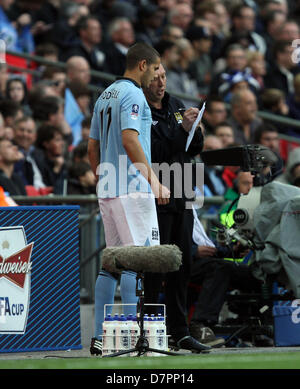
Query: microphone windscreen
152,259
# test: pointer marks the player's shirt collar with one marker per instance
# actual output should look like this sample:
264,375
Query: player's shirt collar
129,79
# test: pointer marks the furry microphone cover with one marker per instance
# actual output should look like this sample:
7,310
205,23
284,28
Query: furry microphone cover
154,259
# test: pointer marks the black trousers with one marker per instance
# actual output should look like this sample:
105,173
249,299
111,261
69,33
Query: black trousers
174,228
216,276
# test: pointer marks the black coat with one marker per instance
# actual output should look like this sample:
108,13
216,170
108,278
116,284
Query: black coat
168,140
276,79
14,185
50,178
115,61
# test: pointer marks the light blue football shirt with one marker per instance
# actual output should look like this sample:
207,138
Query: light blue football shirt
121,106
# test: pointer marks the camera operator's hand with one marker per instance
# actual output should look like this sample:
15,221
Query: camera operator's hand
206,251
240,251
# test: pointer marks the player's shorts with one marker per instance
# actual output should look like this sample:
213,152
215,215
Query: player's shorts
130,220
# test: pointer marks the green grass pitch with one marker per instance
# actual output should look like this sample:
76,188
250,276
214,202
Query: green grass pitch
277,360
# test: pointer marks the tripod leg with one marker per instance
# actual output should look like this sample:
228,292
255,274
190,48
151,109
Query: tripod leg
164,352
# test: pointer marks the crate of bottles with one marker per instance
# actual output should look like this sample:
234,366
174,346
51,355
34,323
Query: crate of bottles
121,332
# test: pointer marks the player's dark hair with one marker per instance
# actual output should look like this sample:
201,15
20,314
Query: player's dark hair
139,52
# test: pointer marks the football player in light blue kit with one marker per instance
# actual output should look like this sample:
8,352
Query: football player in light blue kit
120,155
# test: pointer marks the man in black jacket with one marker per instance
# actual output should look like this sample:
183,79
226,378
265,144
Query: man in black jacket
169,135
10,181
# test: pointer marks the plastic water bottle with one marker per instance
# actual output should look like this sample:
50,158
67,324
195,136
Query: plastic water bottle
129,325
146,329
108,337
161,331
134,334
129,318
152,326
122,335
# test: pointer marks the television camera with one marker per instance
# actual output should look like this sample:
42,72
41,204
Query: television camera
250,158
266,220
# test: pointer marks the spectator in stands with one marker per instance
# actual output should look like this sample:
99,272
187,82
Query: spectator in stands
267,135
24,137
47,14
289,31
3,79
243,118
214,114
50,143
6,132
50,110
58,77
40,90
236,82
82,96
181,15
171,33
235,61
214,184
166,5
107,10
48,51
274,5
243,20
80,152
9,180
178,77
257,65
273,21
17,35
168,54
16,90
150,20
81,179
64,33
223,19
121,36
225,133
11,111
293,100
77,99
200,68
207,15
78,69
90,37
281,71
274,101
85,128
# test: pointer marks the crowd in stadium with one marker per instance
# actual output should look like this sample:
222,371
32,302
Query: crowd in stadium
241,57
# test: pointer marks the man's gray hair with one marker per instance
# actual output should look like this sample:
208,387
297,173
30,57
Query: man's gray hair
115,25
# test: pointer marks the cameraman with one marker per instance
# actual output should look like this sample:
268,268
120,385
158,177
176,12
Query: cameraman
216,273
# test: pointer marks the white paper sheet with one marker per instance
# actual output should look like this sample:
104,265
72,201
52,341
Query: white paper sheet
195,125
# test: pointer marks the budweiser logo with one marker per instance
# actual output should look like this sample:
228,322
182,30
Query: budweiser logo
16,266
